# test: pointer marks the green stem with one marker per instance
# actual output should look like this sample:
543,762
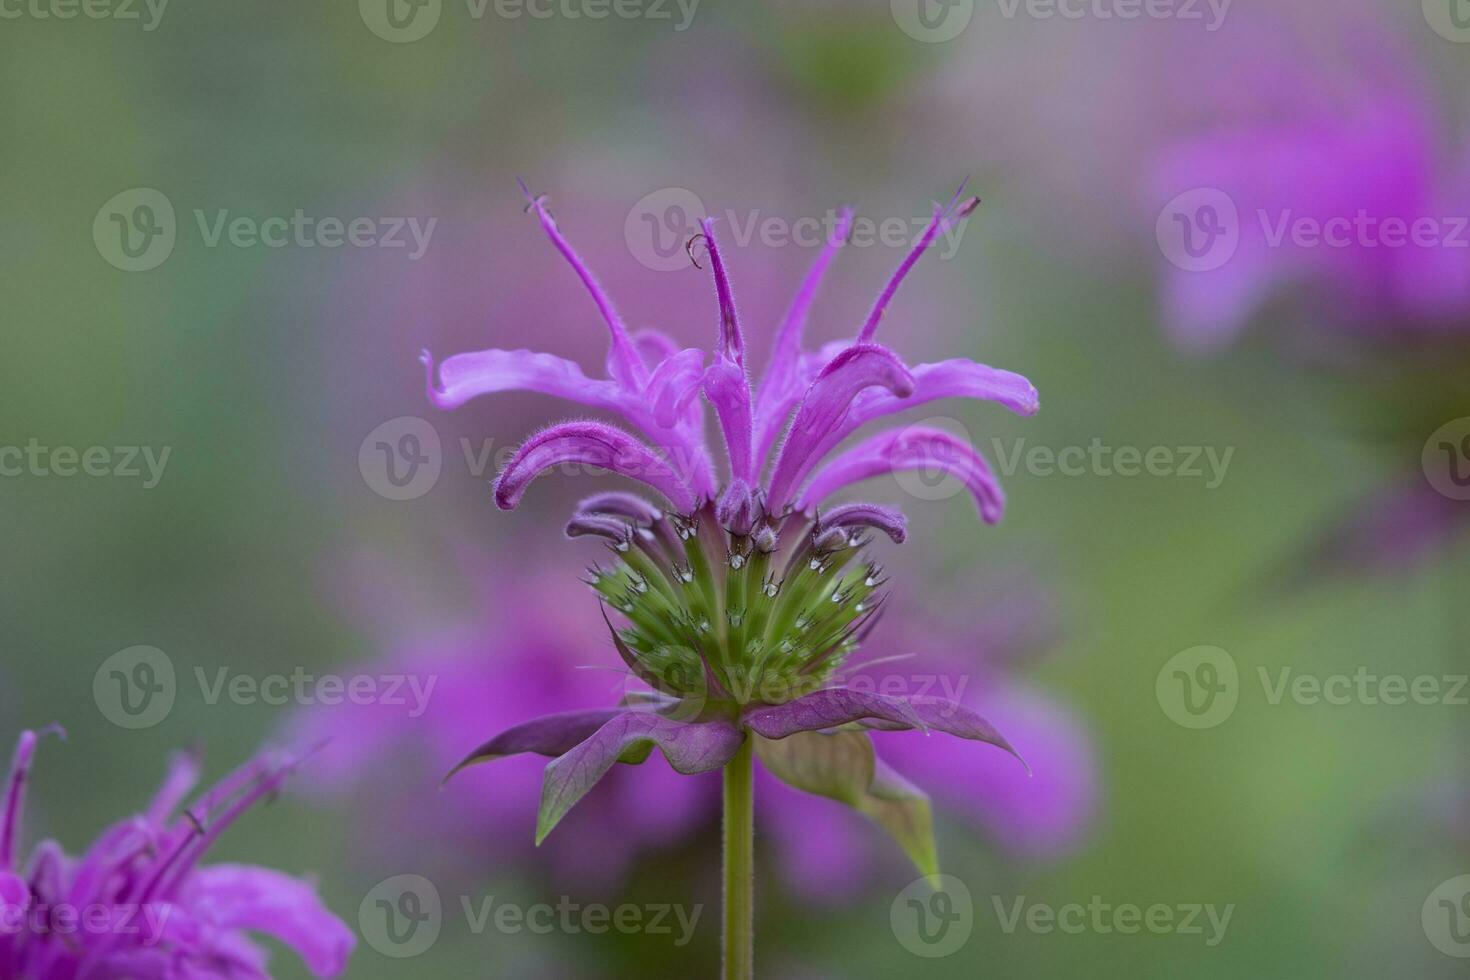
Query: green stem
739,864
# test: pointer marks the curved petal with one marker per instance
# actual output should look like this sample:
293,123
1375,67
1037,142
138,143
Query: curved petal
235,896
957,378
466,376
782,384
825,407
628,506
549,735
916,448
886,519
595,444
689,748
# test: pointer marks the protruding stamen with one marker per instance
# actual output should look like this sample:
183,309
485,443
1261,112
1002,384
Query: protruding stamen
732,341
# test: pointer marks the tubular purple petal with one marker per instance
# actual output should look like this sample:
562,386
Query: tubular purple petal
732,341
826,405
780,388
466,376
594,444
618,531
914,448
889,520
737,509
728,390
623,362
15,785
943,217
626,505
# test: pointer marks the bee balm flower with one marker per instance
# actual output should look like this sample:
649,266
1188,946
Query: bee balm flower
740,591
138,904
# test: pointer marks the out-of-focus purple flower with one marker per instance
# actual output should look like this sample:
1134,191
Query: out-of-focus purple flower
743,599
974,661
138,904
524,651
1345,189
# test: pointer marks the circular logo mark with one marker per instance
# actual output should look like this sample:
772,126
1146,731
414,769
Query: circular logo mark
401,916
932,21
659,226
401,459
933,917
1198,687
679,689
1450,19
1446,917
400,21
135,230
135,688
1446,459
929,459
1199,230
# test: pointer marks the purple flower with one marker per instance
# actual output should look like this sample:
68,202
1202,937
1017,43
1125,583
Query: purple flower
1346,190
523,651
741,599
138,904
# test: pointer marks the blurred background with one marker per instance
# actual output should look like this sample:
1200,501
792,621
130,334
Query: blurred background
181,290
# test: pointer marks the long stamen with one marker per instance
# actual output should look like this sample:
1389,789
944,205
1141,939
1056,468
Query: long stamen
788,337
943,216
628,367
20,769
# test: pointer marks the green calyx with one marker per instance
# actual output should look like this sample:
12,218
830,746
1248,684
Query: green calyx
713,616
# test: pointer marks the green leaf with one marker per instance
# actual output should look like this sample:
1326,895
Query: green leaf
842,766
